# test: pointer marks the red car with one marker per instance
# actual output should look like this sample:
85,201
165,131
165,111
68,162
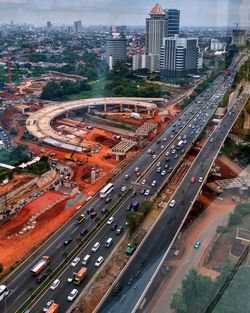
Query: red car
138,174
93,214
193,179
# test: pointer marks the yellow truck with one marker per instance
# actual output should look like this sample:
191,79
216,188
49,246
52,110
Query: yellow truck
70,157
80,275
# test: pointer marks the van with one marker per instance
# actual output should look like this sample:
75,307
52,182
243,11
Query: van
85,259
108,242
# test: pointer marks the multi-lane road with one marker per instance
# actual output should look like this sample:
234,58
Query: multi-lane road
139,274
21,282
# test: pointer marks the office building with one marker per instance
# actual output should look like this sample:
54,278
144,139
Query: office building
239,37
173,16
139,61
156,30
116,50
49,25
179,57
217,45
78,26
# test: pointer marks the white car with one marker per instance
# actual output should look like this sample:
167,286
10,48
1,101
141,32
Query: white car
55,284
99,261
147,192
137,169
72,295
110,220
158,164
162,146
163,173
172,203
167,153
173,151
95,247
153,183
124,188
48,305
154,156
149,151
200,179
143,182
75,261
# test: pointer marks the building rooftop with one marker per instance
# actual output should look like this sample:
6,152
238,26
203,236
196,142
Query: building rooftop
157,9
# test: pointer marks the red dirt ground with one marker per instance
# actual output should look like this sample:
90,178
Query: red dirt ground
15,249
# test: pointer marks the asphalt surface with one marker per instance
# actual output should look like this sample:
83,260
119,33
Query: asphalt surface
21,281
139,273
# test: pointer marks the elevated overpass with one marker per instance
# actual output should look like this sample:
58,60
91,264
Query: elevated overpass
39,123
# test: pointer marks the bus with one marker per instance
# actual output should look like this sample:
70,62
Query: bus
179,144
3,292
106,190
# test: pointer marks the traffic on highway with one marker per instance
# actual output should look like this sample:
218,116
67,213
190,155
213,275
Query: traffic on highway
142,179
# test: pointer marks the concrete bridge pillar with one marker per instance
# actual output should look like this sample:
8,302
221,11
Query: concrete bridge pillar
135,108
121,107
105,107
89,109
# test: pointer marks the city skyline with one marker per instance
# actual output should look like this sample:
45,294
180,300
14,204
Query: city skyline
94,12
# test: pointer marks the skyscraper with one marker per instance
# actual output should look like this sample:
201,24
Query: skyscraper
239,37
49,25
116,50
173,16
179,56
156,29
78,26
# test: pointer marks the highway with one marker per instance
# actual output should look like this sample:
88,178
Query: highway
21,281
139,273
61,293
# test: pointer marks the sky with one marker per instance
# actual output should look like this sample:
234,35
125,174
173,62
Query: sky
124,12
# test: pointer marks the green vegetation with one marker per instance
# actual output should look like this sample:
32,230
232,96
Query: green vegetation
134,219
39,167
59,91
242,74
15,157
241,153
240,211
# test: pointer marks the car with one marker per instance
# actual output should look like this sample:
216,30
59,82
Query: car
200,179
126,176
67,241
41,277
152,152
158,169
173,151
154,156
176,156
110,220
93,214
172,136
72,295
162,146
90,210
211,139
147,192
149,151
138,174
137,169
193,178
163,173
168,159
164,139
113,227
124,188
158,164
197,244
95,247
108,199
153,183
84,232
158,141
47,305
172,203
166,166
182,151
143,182
142,191
133,194
119,230
99,261
55,284
167,153
75,261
